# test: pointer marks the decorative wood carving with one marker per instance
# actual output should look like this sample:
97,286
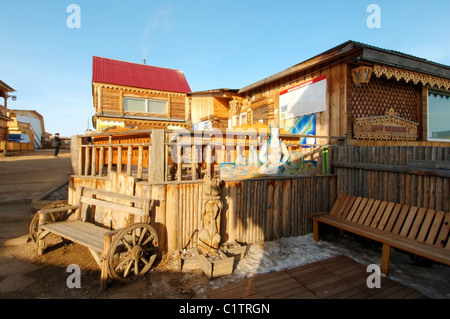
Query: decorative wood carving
361,74
399,74
209,236
386,127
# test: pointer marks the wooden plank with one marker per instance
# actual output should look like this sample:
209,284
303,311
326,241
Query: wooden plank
337,204
408,221
426,224
428,164
372,212
442,239
393,169
386,215
435,227
366,211
379,214
110,205
417,223
400,220
360,209
59,209
354,208
114,195
343,206
349,206
392,218
76,231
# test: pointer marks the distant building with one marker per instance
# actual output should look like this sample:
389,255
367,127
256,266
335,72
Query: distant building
138,96
29,122
4,118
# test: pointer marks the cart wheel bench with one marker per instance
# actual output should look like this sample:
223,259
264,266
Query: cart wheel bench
420,231
124,254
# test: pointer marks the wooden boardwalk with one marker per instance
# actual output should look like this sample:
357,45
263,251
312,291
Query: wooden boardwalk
338,277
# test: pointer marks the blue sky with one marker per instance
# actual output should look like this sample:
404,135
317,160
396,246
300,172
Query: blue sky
218,44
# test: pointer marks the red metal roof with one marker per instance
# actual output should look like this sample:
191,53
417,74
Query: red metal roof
138,75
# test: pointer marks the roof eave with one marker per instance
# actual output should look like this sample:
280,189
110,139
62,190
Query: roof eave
403,61
367,53
326,56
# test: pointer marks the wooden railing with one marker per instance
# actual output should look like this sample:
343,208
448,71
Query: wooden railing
179,155
99,154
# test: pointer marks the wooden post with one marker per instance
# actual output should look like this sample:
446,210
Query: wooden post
277,215
75,144
101,160
41,236
140,156
129,159
286,208
232,212
156,171
104,270
119,159
110,156
94,160
86,161
385,255
316,230
269,212
172,218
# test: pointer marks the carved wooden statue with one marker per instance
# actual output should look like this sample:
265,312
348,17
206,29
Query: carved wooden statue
209,236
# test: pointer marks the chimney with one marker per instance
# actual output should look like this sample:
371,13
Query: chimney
144,61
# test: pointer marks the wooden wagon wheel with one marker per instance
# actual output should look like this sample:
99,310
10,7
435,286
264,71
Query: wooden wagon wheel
132,252
58,216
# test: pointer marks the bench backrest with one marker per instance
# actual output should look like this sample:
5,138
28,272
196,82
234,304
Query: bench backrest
421,224
113,202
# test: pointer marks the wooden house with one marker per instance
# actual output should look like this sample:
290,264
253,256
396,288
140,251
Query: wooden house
212,108
4,118
369,95
29,122
137,96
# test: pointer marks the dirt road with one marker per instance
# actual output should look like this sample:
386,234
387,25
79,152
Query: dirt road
30,176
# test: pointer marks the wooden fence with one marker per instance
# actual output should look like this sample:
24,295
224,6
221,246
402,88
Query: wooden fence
253,211
146,163
413,175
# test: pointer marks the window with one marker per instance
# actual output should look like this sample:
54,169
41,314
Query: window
144,106
438,116
261,115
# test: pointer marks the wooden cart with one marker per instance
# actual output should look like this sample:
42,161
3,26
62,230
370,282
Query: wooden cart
124,254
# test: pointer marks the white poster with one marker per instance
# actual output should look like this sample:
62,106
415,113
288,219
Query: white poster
306,98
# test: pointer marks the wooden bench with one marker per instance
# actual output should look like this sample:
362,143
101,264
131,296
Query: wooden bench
420,231
124,254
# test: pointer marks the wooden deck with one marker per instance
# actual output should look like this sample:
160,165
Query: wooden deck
335,278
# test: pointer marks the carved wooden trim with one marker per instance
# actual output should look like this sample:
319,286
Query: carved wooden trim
399,74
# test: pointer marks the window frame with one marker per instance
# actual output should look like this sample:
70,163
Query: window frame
434,91
147,105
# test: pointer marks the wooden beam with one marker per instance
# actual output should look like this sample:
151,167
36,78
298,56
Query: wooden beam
394,169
